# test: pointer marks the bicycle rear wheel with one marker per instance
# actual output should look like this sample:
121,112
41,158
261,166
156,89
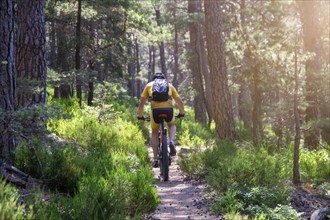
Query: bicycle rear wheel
165,159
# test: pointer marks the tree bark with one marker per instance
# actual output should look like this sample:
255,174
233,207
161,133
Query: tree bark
131,71
256,112
195,66
7,77
77,55
31,53
245,102
176,68
313,67
90,91
152,63
222,107
161,48
244,95
62,61
138,70
296,174
52,36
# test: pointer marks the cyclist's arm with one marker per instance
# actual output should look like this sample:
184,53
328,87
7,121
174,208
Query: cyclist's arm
141,106
180,104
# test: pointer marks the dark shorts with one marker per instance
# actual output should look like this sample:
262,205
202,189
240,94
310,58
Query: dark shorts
156,119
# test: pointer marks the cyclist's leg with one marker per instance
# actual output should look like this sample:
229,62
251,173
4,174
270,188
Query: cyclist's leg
154,136
172,131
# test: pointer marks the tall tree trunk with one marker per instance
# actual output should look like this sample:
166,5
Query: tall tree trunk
77,55
245,102
138,70
176,50
131,71
7,77
161,48
52,37
195,66
296,174
153,65
244,95
62,61
176,58
152,62
313,67
31,53
222,107
256,112
90,95
205,70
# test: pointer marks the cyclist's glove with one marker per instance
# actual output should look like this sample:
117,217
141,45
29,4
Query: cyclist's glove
141,118
180,115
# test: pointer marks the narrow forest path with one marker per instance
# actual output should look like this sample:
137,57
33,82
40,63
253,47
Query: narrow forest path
181,197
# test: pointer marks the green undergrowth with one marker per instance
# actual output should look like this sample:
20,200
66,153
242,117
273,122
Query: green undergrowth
10,207
97,166
247,180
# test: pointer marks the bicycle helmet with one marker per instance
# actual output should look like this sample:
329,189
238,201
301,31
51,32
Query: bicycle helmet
158,76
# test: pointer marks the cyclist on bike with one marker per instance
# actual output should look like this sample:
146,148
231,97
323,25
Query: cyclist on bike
161,107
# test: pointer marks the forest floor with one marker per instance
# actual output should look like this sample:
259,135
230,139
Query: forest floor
181,197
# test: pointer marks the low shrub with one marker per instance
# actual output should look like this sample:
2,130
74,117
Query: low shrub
191,133
60,163
258,202
10,207
324,190
105,171
227,203
227,164
315,165
192,163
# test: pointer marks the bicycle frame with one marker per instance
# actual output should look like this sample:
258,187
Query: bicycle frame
163,150
163,156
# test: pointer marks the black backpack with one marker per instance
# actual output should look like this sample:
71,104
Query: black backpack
160,90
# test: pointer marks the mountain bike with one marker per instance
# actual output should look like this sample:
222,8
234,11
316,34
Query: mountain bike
163,155
164,159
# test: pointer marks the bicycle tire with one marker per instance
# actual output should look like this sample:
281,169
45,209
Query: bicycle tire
165,162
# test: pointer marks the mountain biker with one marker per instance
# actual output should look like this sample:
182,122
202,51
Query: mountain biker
165,107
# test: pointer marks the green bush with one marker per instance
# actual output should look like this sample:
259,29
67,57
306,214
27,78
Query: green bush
61,163
263,196
315,165
227,203
10,208
192,163
284,212
120,191
227,164
191,133
105,168
257,202
118,161
324,190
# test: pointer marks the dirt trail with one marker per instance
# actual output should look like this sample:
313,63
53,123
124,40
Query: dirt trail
181,198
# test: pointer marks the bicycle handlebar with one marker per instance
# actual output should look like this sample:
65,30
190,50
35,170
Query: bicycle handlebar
148,118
